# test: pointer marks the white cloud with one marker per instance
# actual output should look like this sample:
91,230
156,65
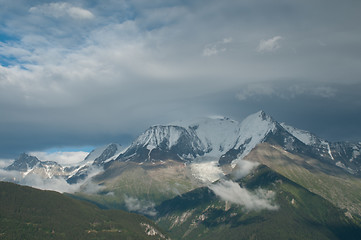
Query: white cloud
54,184
269,45
61,9
140,206
216,48
77,78
232,192
284,92
5,162
251,90
243,168
63,158
79,13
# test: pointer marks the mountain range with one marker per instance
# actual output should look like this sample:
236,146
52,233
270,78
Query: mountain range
213,137
189,176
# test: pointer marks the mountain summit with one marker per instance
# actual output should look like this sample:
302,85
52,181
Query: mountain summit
23,163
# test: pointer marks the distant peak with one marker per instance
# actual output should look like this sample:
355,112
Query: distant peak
262,114
26,156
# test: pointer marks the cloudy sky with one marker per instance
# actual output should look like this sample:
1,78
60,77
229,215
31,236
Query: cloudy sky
85,73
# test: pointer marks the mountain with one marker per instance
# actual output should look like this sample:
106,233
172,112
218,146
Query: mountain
320,177
167,160
23,163
164,142
28,165
206,139
345,155
217,133
94,161
183,175
229,140
103,154
28,213
242,212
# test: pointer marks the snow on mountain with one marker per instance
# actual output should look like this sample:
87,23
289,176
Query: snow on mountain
27,164
156,136
24,163
162,142
112,150
253,131
342,154
95,159
206,171
31,165
217,134
211,137
302,135
204,144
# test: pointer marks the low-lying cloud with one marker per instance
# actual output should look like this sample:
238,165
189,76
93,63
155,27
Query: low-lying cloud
243,168
232,192
57,183
5,162
140,206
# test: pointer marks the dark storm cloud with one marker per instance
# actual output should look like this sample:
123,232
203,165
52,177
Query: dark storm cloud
90,72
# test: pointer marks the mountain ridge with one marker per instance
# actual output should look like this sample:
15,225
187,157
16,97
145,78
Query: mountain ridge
213,138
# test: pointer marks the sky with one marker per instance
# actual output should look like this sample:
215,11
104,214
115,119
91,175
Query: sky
86,73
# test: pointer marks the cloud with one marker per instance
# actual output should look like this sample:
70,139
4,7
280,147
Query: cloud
10,176
216,48
53,184
61,9
58,184
269,45
140,206
243,168
285,91
251,90
5,162
71,72
232,192
63,158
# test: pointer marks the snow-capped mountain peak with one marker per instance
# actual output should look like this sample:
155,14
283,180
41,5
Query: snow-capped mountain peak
217,134
102,154
164,141
253,130
23,163
165,136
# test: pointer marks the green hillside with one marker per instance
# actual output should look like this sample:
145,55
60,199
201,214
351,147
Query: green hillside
28,213
151,182
200,214
328,181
